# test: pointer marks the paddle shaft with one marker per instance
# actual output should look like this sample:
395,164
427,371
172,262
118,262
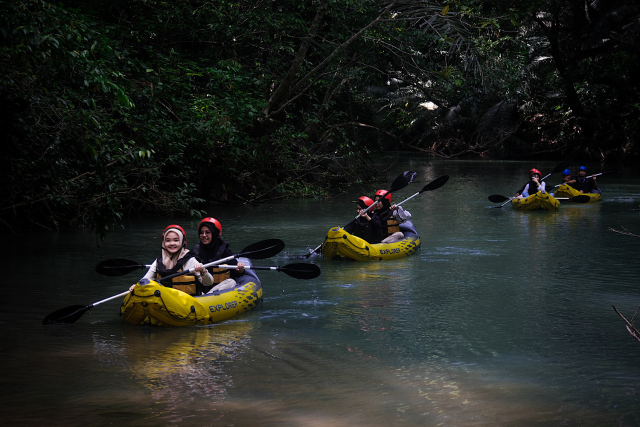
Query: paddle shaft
314,251
130,266
109,299
596,174
72,313
410,197
217,262
555,170
235,267
510,199
582,198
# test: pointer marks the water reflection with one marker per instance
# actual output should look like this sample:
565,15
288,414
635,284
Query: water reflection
186,369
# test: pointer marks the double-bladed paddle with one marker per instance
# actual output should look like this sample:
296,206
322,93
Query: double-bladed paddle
298,270
404,179
119,267
433,185
260,250
602,173
74,312
496,198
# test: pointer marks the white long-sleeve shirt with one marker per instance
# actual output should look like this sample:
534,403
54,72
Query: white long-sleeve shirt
206,279
541,188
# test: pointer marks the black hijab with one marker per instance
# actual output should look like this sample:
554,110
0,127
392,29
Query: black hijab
214,250
386,208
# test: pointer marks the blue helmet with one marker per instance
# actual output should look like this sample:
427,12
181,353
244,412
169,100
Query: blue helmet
582,168
566,172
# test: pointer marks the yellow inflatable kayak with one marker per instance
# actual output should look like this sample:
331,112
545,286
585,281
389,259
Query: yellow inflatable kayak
567,191
536,201
152,303
341,245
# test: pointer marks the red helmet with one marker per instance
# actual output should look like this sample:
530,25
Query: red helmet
364,200
385,194
532,171
211,220
177,227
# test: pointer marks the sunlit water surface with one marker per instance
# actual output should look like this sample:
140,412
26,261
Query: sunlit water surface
503,318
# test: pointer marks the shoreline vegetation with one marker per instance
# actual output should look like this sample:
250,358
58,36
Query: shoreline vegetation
114,108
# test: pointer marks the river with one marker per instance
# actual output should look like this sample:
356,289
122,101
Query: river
502,318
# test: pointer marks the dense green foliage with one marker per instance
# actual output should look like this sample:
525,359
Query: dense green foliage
110,108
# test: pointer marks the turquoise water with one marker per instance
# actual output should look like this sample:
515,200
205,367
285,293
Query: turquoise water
503,318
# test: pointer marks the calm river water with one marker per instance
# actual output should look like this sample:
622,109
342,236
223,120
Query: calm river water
503,318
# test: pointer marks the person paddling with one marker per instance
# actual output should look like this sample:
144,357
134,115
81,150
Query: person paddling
584,184
175,257
390,217
533,186
212,248
367,225
567,178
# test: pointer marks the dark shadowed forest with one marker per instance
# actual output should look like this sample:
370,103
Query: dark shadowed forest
110,108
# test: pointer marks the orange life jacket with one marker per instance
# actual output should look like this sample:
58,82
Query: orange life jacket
220,274
185,283
393,226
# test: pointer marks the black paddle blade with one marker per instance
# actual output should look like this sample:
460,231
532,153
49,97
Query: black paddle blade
496,198
66,315
263,249
560,167
301,270
581,199
404,179
117,267
436,183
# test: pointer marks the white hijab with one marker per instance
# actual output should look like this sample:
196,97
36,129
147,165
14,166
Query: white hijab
168,259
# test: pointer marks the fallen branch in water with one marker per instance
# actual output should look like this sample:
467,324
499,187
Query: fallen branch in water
625,232
632,330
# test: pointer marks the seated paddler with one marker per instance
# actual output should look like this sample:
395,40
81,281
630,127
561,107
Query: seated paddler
175,258
534,185
367,225
212,248
390,217
586,184
567,178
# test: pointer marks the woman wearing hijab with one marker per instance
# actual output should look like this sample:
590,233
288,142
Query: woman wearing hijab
212,248
389,217
175,258
367,225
